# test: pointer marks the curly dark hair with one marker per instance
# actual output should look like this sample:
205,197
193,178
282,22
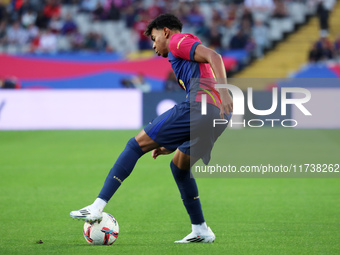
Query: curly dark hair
165,20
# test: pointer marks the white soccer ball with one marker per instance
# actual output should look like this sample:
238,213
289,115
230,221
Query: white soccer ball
103,233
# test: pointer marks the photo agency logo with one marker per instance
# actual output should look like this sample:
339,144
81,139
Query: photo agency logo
239,106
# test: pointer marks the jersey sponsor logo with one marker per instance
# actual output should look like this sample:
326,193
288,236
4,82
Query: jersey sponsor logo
181,41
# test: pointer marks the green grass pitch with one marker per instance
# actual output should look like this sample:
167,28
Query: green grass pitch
46,174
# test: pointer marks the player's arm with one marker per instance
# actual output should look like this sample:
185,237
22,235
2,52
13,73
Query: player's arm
206,55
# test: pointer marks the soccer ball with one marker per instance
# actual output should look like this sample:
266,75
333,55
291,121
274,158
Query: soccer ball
103,233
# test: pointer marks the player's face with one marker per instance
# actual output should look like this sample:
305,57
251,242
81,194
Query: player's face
160,42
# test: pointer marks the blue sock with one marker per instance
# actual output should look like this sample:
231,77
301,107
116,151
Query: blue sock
189,193
121,169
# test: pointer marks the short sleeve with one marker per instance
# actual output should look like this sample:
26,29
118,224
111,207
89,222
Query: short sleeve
184,46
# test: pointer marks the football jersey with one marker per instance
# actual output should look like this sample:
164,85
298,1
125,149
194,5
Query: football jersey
182,48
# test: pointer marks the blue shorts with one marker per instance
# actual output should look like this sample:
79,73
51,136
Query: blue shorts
184,127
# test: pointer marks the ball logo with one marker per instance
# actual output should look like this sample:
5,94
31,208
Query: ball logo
87,234
108,232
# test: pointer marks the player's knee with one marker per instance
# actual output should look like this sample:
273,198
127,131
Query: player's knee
178,173
145,142
133,145
181,160
174,169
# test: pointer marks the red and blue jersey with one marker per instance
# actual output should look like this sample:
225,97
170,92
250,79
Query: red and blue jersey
183,127
194,77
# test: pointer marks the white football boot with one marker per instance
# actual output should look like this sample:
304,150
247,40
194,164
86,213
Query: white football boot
198,238
87,213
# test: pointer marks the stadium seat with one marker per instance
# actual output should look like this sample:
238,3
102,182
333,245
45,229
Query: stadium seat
287,25
97,26
298,12
63,43
275,30
83,22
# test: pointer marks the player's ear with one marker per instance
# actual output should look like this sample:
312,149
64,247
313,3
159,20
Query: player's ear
166,32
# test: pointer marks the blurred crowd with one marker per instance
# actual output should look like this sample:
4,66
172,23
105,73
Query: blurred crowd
36,25
324,50
9,82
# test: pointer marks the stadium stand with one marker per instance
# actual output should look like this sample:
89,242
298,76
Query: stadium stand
106,37
291,56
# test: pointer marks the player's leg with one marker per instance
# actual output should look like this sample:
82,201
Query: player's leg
154,134
135,148
180,167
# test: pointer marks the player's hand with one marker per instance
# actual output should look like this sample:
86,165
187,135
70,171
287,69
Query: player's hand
160,151
227,103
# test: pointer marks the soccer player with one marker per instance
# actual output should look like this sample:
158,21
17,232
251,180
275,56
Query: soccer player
172,130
